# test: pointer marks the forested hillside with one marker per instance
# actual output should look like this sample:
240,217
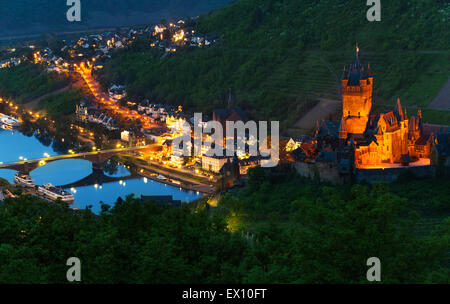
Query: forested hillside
274,231
276,54
27,81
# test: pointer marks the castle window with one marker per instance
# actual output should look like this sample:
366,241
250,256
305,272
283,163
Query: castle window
359,114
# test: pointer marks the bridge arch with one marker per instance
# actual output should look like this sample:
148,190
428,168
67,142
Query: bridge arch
96,158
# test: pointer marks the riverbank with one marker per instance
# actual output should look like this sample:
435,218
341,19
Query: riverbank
181,178
199,188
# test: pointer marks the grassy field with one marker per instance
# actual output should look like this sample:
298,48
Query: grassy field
61,104
436,117
28,81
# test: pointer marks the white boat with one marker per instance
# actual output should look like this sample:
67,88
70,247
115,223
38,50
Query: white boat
162,177
9,121
5,127
53,193
24,180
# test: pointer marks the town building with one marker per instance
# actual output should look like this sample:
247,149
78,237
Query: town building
214,163
231,114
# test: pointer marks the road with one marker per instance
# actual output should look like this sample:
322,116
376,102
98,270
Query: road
442,100
104,100
192,181
322,110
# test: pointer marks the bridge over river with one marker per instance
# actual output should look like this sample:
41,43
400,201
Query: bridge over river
97,158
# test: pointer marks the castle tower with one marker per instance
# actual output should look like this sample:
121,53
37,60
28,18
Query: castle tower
357,87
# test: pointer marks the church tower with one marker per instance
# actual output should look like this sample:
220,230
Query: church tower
357,87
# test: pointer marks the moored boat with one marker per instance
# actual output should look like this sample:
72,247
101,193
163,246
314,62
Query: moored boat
53,193
24,180
9,121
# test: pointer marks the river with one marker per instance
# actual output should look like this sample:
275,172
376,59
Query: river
15,146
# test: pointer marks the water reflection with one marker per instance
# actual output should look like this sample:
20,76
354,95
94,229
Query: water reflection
15,145
110,192
62,172
113,169
8,175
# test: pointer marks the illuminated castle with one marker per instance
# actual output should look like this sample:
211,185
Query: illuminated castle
357,87
378,140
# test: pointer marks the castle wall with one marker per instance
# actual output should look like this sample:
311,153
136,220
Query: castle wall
325,171
391,174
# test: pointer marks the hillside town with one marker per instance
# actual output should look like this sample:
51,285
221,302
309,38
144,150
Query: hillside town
337,151
165,37
142,122
224,142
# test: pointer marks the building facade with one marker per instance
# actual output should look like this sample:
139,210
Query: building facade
341,151
383,138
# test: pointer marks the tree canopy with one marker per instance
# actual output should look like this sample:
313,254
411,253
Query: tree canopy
271,231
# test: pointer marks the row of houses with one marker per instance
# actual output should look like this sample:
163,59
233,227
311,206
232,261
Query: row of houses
117,92
52,62
11,62
88,113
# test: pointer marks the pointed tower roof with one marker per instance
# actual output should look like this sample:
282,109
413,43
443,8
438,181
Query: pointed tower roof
352,141
235,159
398,110
355,74
419,119
230,101
357,62
344,73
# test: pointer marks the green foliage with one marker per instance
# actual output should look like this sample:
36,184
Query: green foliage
308,232
27,81
132,242
426,195
436,116
278,54
61,104
292,231
3,182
